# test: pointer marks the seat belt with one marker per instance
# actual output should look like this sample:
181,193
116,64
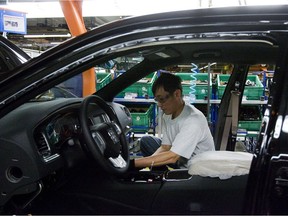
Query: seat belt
235,113
232,121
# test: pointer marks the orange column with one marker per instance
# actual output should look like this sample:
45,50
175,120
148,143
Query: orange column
72,10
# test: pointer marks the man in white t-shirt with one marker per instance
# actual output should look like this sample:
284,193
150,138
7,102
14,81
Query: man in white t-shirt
185,128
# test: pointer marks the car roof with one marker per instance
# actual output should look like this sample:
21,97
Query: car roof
252,32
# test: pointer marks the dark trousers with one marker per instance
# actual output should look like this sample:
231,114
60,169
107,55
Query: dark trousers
148,145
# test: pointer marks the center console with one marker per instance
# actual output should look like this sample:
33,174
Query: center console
147,176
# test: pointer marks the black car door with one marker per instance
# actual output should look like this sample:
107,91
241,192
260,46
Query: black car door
267,191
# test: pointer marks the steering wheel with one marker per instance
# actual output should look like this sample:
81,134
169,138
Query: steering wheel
105,141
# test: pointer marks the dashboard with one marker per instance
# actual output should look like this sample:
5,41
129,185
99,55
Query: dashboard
43,137
56,131
62,128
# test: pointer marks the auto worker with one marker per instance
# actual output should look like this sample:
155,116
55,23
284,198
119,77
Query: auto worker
185,129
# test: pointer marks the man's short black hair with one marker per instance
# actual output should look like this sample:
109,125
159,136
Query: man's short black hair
170,83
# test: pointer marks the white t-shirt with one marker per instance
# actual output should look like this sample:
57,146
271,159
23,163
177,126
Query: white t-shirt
188,134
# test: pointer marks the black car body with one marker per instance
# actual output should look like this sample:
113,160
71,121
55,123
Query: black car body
11,55
50,163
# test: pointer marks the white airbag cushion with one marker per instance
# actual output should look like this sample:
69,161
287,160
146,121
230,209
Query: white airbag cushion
222,164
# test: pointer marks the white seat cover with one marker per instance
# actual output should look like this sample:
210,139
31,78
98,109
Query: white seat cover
221,164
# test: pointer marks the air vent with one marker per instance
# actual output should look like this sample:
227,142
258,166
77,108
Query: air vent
126,110
42,146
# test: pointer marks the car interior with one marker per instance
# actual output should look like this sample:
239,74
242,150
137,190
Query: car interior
69,155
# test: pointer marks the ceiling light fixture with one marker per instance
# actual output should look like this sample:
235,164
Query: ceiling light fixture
49,36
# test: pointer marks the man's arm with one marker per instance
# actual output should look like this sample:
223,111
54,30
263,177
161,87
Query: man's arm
160,157
162,148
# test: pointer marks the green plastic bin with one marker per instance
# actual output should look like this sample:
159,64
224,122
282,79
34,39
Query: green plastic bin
250,117
102,79
142,116
142,88
201,84
253,92
250,125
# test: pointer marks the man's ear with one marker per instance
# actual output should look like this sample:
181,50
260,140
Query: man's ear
178,93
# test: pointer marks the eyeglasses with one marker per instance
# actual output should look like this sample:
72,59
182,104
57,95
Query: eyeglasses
162,99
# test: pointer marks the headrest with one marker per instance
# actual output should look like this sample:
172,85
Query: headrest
221,164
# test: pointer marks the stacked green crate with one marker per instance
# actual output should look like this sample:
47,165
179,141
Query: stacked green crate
250,117
142,116
140,89
253,91
102,79
201,84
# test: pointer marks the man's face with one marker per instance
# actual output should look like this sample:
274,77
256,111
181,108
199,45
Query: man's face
165,100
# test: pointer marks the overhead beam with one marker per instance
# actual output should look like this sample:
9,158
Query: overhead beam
72,10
